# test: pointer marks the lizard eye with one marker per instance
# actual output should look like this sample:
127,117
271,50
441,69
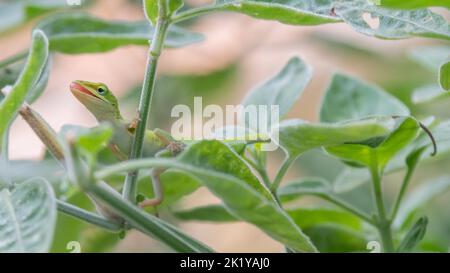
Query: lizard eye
101,91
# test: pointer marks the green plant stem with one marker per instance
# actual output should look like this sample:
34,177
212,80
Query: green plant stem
382,223
145,222
132,165
401,193
186,15
130,185
87,216
15,58
281,173
346,206
378,194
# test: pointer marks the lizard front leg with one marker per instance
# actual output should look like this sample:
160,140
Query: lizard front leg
173,149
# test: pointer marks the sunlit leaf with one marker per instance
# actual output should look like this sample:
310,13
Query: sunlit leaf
151,10
27,217
298,136
381,150
351,178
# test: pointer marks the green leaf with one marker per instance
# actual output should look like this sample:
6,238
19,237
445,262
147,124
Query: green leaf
211,213
419,198
90,141
28,215
298,136
444,76
414,4
175,5
349,98
428,94
392,24
310,217
16,12
336,238
414,236
382,150
307,12
218,157
94,139
351,178
27,79
72,34
305,186
283,90
151,10
227,176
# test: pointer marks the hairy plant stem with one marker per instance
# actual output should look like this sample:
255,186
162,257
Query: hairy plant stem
157,43
382,223
87,216
281,173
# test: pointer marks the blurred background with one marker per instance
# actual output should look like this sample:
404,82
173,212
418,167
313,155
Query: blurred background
238,53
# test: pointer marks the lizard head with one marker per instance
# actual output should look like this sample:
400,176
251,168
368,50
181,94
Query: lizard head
97,98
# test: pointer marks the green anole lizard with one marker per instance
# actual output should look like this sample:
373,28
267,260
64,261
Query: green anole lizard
100,101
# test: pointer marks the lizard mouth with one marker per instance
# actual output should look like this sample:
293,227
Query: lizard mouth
78,88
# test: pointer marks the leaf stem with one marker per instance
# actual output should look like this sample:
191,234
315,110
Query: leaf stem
186,15
348,207
405,183
281,173
145,222
87,216
382,223
129,189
